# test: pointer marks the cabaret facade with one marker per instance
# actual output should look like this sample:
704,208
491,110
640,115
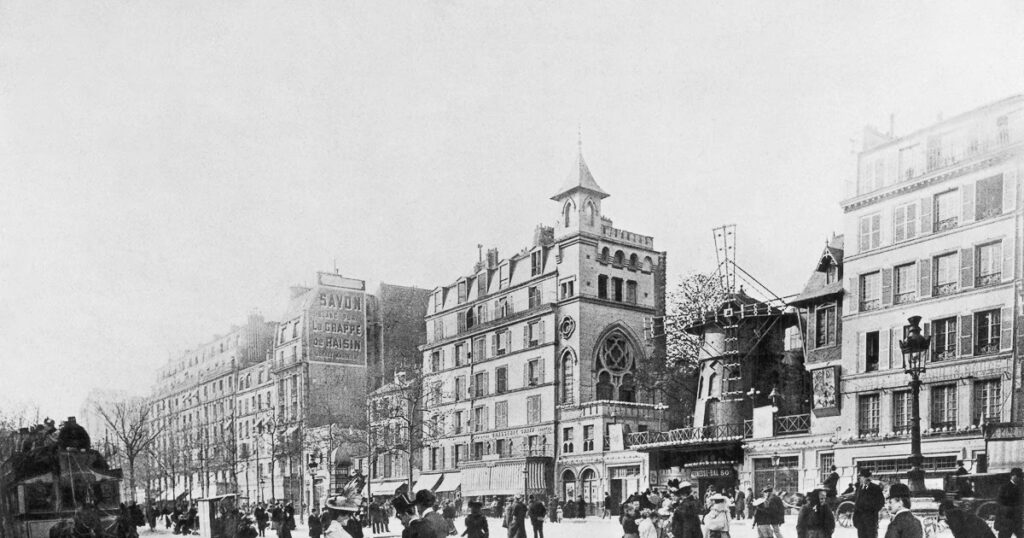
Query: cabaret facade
533,359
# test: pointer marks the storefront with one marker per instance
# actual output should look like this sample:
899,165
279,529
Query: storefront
504,478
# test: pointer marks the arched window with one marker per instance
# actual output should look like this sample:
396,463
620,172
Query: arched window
567,214
700,386
604,386
568,383
712,379
248,380
605,253
648,264
627,390
470,318
569,485
620,257
588,212
590,486
634,261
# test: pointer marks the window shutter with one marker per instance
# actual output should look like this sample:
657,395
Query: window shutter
885,358
540,330
541,367
924,273
899,222
811,337
494,345
884,221
486,420
1008,253
526,374
895,334
854,295
927,330
1006,328
887,286
508,340
967,201
526,336
462,322
497,309
1009,190
966,335
967,268
487,384
926,215
862,359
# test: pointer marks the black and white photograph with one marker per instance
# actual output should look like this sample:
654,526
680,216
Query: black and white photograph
548,269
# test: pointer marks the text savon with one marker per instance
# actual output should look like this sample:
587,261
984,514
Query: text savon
343,301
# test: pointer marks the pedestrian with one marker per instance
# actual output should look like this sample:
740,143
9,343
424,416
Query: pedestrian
315,525
606,511
559,512
448,513
769,513
261,518
960,470
246,527
832,484
340,509
276,516
740,502
750,503
686,518
553,513
426,506
903,524
815,519
374,510
284,530
537,511
868,500
1009,519
517,518
717,520
405,510
476,523
581,507
964,524
648,526
707,496
629,523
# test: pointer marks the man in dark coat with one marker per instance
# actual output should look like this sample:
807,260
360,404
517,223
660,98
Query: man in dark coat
769,513
607,506
581,508
261,518
1009,520
517,522
316,527
903,523
426,502
964,524
686,518
537,511
832,484
868,500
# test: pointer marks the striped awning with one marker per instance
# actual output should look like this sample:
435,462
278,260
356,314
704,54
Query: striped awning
504,479
427,481
451,482
383,487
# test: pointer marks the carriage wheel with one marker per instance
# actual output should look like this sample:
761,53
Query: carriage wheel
987,512
844,514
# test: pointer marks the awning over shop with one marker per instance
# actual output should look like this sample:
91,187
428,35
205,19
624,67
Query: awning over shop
426,481
383,487
451,482
505,479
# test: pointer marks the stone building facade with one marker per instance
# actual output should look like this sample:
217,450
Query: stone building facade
533,358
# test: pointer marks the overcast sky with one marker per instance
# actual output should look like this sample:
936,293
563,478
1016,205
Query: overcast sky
165,167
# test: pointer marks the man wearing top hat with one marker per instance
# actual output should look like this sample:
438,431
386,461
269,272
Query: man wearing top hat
1010,518
686,518
868,500
903,523
405,511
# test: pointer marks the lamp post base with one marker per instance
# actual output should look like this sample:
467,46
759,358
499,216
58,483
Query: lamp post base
915,479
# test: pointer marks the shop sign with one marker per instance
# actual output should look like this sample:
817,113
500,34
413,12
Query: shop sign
711,472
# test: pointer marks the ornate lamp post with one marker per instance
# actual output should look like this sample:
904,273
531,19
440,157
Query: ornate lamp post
914,349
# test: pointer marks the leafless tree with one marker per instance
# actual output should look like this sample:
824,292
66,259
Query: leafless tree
128,421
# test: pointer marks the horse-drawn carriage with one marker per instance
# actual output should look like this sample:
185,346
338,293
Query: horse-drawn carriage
53,485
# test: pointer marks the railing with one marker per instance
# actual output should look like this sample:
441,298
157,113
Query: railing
1003,430
702,434
944,425
946,224
988,280
545,451
987,349
791,424
873,304
944,355
948,288
989,212
902,298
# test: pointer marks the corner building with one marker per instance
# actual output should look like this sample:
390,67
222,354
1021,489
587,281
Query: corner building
533,359
934,229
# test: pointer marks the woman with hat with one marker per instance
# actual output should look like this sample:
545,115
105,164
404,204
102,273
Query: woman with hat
476,523
903,523
717,519
815,519
339,509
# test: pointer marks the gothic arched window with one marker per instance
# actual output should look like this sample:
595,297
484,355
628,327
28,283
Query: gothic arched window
588,212
711,384
605,387
620,257
627,389
568,380
567,214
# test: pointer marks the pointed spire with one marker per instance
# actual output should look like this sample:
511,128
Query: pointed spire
580,176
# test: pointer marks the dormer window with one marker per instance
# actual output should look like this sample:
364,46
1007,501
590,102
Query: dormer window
831,273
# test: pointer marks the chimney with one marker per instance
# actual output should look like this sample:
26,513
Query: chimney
492,258
543,235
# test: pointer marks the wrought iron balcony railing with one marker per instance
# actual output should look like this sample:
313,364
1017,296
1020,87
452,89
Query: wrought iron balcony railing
903,298
949,288
988,280
946,224
790,424
702,434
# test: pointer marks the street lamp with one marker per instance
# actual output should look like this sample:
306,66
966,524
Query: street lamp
914,349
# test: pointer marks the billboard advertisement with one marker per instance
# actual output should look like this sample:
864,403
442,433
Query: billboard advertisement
337,320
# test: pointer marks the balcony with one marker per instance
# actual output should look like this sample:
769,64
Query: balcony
519,453
1004,430
946,224
903,298
948,288
947,354
987,349
873,304
792,424
684,436
988,280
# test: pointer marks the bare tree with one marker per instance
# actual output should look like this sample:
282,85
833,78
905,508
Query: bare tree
128,420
